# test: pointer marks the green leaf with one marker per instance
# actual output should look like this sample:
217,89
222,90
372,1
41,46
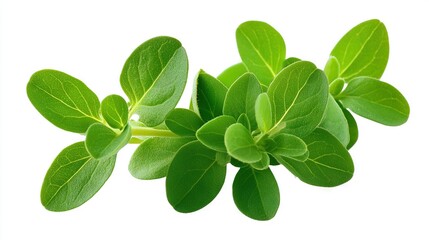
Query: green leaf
222,158
263,112
194,178
102,142
183,122
288,145
332,69
363,51
298,96
328,164
154,77
237,163
115,111
263,163
375,100
240,144
212,133
241,98
353,128
153,157
208,96
244,120
63,100
231,74
336,86
256,193
262,49
73,178
289,61
335,122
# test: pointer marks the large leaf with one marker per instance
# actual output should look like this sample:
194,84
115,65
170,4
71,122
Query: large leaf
256,193
231,74
73,178
335,122
208,96
63,100
183,122
212,133
375,100
115,111
328,164
363,51
298,96
262,49
240,144
102,142
154,77
241,98
194,178
153,157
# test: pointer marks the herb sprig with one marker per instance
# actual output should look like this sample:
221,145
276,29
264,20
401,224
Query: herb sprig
267,110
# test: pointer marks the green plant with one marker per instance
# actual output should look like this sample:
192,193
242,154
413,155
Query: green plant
267,110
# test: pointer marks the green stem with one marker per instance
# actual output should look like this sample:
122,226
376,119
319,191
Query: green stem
151,132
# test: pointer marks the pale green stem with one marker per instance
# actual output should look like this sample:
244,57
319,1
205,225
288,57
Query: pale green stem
151,132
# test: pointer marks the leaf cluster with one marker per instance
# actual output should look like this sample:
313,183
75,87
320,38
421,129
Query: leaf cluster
265,111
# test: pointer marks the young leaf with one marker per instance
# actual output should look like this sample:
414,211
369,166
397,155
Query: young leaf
332,69
154,77
102,142
73,178
240,144
353,128
263,163
194,178
262,49
115,111
375,100
256,193
289,61
231,74
212,133
335,122
336,86
63,100
328,164
263,112
153,157
208,97
241,98
363,51
183,122
244,120
222,158
288,145
298,96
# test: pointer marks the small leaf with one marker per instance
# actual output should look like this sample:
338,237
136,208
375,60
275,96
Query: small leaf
288,145
244,120
353,128
335,122
63,100
298,97
332,69
183,122
375,100
336,86
289,61
263,163
256,193
222,158
240,144
241,98
231,74
194,178
363,51
115,111
263,112
212,133
262,49
153,157
208,97
73,178
154,77
237,163
102,142
328,164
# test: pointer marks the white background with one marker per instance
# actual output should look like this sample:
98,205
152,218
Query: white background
386,199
